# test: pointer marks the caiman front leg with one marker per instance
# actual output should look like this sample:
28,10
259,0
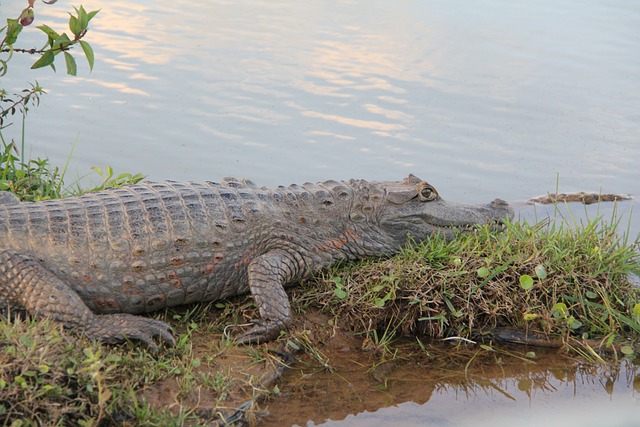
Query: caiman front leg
268,274
26,284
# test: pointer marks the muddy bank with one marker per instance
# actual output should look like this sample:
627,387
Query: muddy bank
332,374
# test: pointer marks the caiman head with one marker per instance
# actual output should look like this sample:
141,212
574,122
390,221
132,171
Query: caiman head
413,209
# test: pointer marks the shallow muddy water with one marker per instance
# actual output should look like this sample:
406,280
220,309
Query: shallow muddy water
472,387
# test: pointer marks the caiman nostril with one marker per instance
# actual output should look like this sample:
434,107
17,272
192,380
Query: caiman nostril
499,202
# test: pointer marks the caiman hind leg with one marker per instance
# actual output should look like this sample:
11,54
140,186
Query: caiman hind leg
268,274
26,284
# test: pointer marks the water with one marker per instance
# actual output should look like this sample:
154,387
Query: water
459,388
484,99
488,99
562,402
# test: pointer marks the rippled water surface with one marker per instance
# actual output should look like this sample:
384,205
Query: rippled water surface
483,99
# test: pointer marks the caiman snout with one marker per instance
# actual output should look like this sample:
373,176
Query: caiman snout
501,205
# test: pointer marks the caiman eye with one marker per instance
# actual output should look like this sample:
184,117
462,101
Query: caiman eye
427,194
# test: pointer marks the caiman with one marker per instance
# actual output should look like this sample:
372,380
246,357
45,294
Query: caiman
93,261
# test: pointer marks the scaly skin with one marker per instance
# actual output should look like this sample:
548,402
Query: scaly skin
88,261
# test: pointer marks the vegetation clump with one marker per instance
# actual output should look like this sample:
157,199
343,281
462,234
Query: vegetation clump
571,282
36,180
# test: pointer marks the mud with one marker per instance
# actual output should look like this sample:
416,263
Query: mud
333,376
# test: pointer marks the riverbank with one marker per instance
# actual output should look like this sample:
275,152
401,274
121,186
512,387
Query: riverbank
567,284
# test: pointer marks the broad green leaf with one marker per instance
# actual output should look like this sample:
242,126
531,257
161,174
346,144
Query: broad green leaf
83,19
92,14
49,32
72,69
574,323
636,309
530,355
530,316
13,29
541,272
379,302
74,25
340,293
559,309
526,282
591,295
45,59
483,272
627,350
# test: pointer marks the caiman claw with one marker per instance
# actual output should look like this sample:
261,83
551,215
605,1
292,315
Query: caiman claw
263,331
116,328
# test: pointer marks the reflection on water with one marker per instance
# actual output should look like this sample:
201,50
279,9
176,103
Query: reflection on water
484,100
582,396
455,388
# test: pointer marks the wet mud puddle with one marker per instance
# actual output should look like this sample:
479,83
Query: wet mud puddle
445,385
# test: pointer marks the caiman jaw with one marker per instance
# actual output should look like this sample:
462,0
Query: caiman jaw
449,218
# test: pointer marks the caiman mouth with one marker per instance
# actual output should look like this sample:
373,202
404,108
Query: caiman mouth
495,225
449,218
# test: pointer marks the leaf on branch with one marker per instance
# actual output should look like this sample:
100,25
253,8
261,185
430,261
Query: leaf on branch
91,14
83,19
48,31
88,52
13,29
3,67
71,64
45,59
74,25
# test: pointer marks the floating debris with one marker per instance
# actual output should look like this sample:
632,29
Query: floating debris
581,197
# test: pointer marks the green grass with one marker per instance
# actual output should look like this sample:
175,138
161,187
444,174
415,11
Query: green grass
35,180
51,377
559,280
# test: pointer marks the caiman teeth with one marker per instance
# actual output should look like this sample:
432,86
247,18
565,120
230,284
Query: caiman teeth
495,225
